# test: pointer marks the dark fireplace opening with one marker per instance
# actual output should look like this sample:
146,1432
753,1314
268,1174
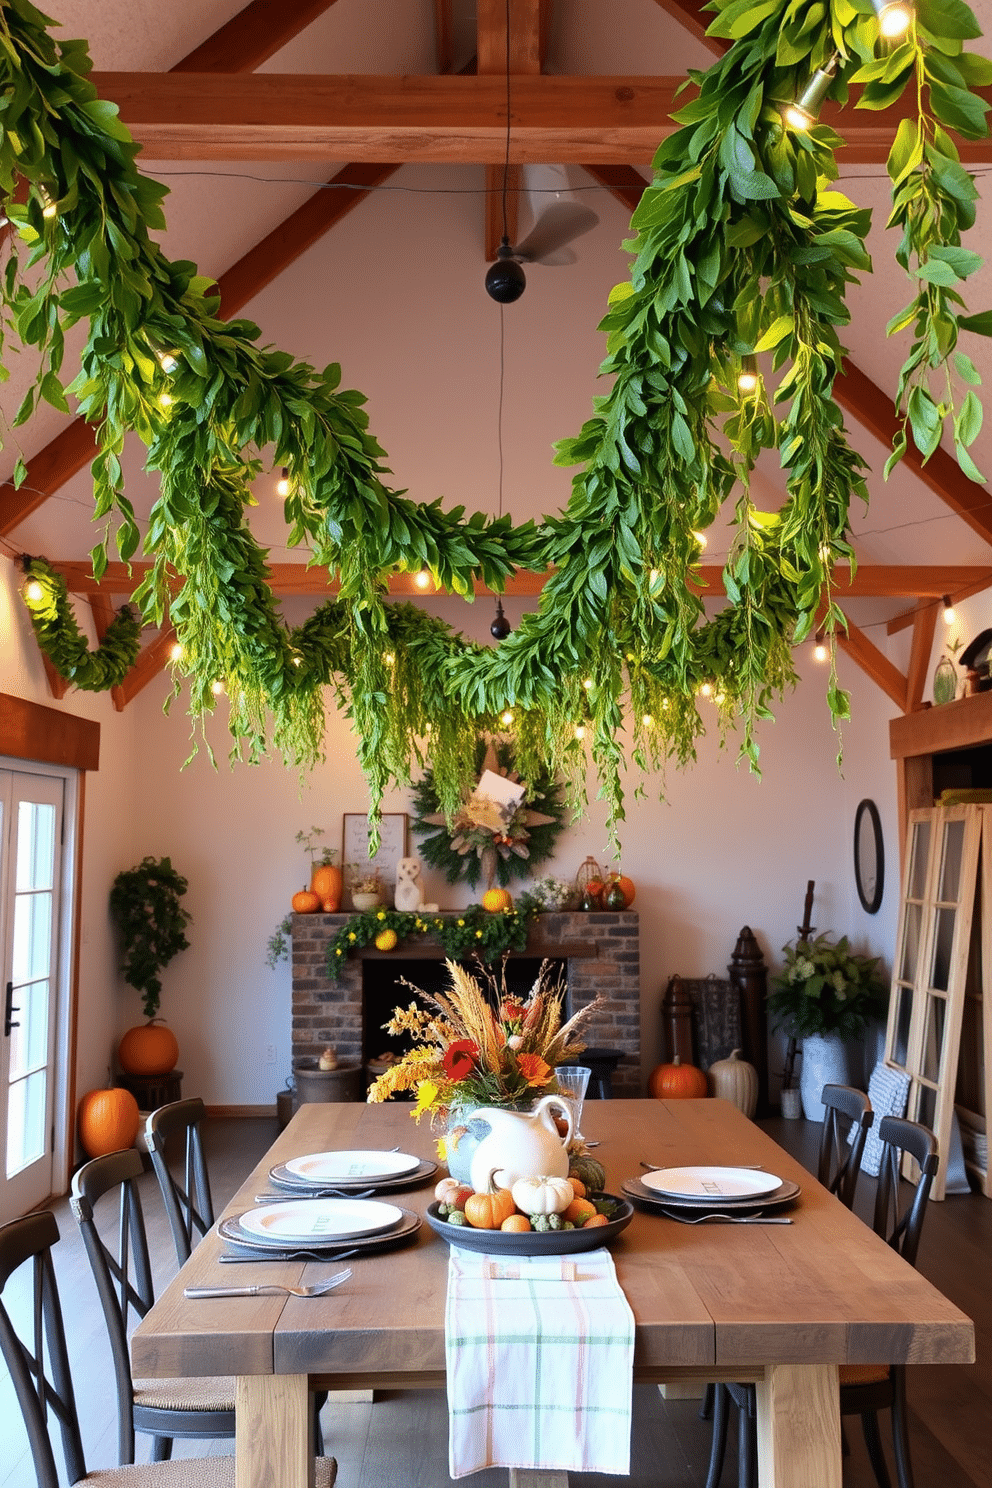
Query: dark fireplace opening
383,990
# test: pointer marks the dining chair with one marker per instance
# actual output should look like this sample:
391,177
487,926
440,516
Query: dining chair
188,1204
118,1256
865,1389
847,1119
35,1353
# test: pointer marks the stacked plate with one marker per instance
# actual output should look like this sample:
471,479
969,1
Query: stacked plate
717,1190
355,1172
319,1225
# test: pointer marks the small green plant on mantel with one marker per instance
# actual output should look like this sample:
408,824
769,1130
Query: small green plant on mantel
825,987
319,856
145,906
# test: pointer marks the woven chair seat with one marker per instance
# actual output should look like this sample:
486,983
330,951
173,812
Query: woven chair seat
206,1394
194,1472
863,1374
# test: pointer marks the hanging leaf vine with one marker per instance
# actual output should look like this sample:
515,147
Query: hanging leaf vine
742,247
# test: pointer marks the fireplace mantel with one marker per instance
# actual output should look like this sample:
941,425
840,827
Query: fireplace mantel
601,951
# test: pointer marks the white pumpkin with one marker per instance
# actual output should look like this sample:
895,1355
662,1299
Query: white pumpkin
735,1080
542,1195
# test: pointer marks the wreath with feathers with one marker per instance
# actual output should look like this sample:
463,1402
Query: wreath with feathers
496,839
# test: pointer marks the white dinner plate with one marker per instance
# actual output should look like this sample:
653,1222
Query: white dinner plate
711,1183
333,1167
317,1221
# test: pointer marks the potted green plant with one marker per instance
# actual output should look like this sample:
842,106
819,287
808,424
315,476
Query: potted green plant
824,994
145,905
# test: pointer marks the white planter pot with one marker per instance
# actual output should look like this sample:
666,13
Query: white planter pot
824,1063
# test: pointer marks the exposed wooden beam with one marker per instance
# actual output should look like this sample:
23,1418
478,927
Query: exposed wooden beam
103,615
583,120
900,622
505,58
919,656
30,731
621,181
690,14
874,411
75,446
151,661
57,685
873,662
444,36
253,36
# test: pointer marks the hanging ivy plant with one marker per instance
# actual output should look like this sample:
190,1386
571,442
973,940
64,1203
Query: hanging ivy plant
62,641
464,846
742,248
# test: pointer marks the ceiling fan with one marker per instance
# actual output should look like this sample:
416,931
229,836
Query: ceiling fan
558,220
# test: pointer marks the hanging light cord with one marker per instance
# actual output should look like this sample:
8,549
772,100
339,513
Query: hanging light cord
506,155
499,408
502,321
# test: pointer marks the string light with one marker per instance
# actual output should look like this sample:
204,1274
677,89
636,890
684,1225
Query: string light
950,614
894,18
506,717
820,650
283,484
217,687
706,690
647,720
165,400
702,540
804,112
580,730
747,377
34,592
165,358
175,651
49,206
588,684
389,657
422,579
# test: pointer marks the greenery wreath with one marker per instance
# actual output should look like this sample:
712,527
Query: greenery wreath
465,849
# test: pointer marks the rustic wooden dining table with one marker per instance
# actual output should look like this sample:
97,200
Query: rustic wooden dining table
782,1305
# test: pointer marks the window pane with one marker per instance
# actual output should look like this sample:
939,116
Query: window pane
933,1038
35,846
920,850
26,1122
928,1106
29,1040
950,868
32,937
943,942
900,1053
911,943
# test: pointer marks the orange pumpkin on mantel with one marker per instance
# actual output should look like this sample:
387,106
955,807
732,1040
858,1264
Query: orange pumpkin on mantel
677,1081
149,1049
108,1121
326,882
305,902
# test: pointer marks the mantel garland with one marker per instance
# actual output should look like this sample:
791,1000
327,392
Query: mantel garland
466,933
741,247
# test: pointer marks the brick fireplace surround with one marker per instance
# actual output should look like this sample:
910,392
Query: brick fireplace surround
602,952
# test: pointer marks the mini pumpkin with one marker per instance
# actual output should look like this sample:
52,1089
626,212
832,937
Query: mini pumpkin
677,1081
735,1080
542,1195
496,900
487,1211
305,902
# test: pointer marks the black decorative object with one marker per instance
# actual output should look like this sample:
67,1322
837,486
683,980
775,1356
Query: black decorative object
500,627
505,279
869,856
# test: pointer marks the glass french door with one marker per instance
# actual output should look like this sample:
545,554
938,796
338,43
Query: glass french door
31,811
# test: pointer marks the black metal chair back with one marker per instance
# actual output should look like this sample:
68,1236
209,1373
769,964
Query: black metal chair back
847,1119
121,1268
39,1368
187,1203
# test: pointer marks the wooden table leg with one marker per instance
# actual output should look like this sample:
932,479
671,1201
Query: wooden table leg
799,1439
274,1431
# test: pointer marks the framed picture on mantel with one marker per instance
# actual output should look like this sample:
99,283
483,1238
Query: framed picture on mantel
392,847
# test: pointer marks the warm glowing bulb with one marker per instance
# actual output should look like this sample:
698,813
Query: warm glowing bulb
166,361
654,577
283,485
49,208
580,731
588,684
175,651
950,614
701,539
820,651
427,728
165,400
798,118
217,687
721,697
706,690
895,20
297,660
647,720
422,579
389,658
664,704
34,591
506,718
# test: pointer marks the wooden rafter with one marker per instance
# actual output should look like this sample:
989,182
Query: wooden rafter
292,116
874,663
151,661
900,622
621,181
253,36
103,614
694,19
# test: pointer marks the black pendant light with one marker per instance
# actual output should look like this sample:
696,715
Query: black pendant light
500,627
505,279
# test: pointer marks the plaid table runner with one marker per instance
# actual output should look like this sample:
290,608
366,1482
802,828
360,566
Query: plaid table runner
539,1354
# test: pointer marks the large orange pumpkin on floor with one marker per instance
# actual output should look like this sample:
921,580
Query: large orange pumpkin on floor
149,1049
677,1081
108,1121
326,883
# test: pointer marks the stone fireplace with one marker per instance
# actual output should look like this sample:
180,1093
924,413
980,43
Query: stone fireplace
599,953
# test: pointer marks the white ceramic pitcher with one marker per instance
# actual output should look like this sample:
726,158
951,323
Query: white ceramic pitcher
521,1144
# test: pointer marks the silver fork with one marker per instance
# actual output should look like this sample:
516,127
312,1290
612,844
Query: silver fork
711,1218
273,1290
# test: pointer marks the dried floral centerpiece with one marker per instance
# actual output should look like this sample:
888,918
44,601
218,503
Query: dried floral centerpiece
472,1049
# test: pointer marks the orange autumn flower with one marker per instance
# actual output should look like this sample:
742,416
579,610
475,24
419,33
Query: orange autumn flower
534,1069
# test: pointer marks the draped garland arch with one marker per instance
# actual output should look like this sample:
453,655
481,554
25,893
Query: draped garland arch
742,246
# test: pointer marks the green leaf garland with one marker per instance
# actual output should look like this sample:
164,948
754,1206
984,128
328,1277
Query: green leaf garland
467,933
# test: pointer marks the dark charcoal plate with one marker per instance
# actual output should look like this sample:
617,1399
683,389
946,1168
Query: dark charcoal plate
283,1178
231,1231
531,1243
